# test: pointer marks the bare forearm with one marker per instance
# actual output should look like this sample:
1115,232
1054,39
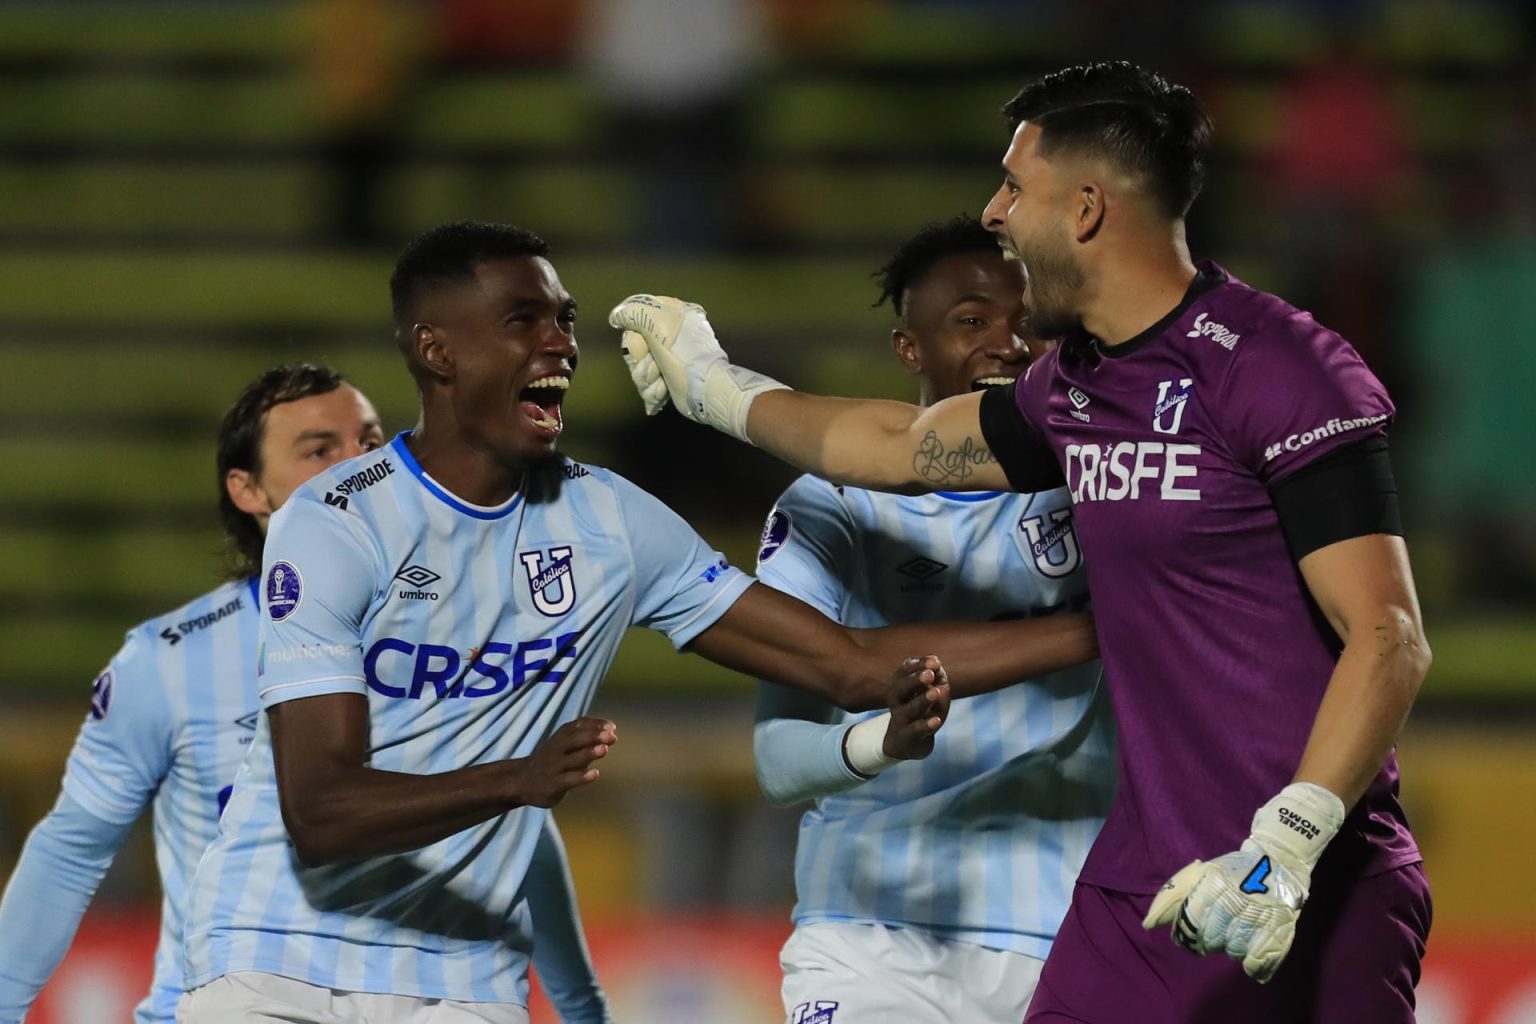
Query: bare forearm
358,812
1363,711
847,441
982,657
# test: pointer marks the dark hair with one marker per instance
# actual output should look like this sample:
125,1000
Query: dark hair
917,255
1127,114
240,436
450,252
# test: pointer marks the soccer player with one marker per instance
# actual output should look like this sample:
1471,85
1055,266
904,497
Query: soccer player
435,618
173,714
932,892
1228,464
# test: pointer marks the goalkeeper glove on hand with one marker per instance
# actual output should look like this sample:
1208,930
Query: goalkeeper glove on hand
1245,904
671,352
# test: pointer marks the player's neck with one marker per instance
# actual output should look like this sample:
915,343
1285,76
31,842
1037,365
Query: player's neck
1139,282
461,467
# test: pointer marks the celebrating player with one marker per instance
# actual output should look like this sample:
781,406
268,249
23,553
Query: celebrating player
932,893
1227,460
173,714
435,619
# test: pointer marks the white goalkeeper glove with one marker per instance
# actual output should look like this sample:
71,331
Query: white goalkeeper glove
1245,904
672,353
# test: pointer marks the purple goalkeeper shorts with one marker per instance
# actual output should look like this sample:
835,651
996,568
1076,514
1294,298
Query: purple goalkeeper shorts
1355,961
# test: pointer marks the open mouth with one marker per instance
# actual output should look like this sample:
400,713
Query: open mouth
982,383
540,402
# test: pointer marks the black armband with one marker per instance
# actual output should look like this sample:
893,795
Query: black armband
1026,458
1347,493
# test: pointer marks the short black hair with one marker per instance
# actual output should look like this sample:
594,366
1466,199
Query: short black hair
1130,115
449,252
917,255
240,436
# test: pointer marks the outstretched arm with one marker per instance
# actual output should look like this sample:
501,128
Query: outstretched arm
881,445
801,756
889,446
773,636
61,865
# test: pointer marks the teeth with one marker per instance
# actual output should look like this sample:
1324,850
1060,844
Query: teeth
546,421
994,381
552,382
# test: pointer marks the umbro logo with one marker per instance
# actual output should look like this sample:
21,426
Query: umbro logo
1079,403
922,571
418,578
921,568
248,721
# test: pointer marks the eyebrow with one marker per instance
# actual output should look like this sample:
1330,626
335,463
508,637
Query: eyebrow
316,435
971,297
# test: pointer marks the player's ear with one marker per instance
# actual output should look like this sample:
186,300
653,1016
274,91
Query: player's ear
429,350
905,348
1089,213
248,495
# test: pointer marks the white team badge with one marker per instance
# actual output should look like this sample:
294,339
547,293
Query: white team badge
552,586
1052,543
1168,410
818,1012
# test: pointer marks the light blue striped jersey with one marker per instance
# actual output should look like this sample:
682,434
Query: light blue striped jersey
171,719
474,633
981,841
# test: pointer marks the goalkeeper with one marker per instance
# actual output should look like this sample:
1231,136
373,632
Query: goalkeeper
1228,464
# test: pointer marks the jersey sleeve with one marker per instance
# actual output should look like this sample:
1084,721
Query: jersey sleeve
807,544
807,548
1010,419
682,585
61,865
318,579
1296,393
560,954
125,746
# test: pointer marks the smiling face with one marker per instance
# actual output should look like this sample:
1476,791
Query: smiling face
1032,215
505,342
298,440
962,325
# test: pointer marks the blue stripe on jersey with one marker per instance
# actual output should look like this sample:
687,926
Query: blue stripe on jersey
472,637
180,717
982,840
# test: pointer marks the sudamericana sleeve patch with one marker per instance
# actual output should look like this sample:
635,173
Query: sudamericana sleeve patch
101,696
285,590
775,533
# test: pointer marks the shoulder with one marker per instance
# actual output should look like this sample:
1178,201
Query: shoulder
355,481
1247,326
594,500
813,490
153,651
217,611
581,485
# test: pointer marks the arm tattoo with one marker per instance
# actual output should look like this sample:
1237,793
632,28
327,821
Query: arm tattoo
934,464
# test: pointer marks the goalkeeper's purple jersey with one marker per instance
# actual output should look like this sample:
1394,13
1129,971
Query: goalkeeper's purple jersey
1215,655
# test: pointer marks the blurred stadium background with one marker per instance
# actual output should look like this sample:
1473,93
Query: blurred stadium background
192,191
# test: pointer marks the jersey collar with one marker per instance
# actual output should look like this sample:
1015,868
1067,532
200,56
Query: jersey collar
1207,276
403,451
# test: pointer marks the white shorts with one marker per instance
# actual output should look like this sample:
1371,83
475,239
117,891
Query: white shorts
251,997
844,973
